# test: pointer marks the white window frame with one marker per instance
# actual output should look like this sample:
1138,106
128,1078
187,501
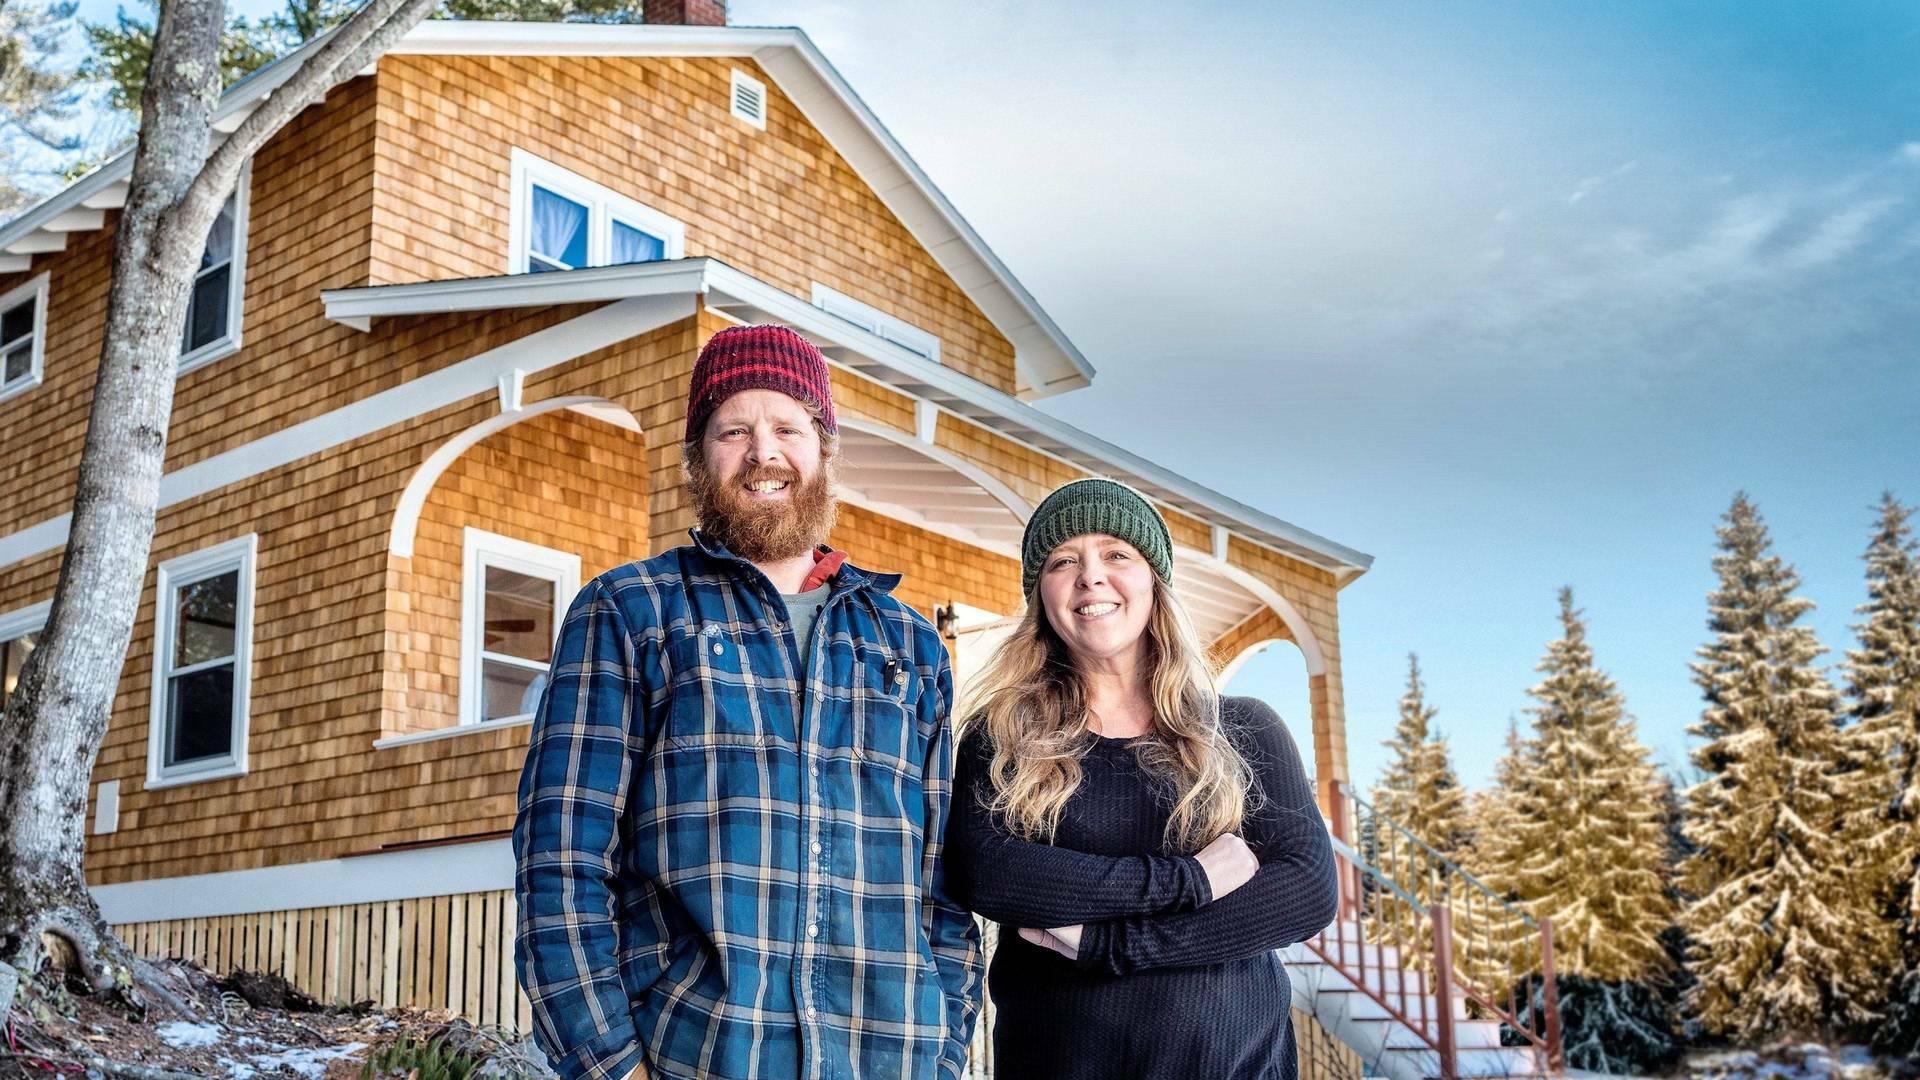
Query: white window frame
879,323
480,550
604,207
36,288
733,99
238,554
23,621
229,343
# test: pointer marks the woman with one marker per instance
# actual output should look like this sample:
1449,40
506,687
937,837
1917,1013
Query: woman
1102,794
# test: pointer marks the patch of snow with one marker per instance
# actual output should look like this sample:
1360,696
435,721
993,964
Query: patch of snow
182,1035
309,1062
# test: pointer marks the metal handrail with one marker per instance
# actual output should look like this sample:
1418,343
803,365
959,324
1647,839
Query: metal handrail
1454,868
1424,932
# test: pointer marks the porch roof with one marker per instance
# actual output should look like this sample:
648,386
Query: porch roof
933,386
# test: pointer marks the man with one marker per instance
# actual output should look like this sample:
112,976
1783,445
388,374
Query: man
728,843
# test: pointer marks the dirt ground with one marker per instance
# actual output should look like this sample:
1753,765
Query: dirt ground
247,1027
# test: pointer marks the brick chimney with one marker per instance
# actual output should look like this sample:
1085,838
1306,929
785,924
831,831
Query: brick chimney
686,12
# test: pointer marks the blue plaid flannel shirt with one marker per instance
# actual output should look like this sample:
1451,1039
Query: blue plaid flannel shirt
728,855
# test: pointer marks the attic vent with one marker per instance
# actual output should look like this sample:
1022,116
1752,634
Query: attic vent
750,99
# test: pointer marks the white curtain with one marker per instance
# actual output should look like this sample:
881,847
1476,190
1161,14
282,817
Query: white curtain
559,229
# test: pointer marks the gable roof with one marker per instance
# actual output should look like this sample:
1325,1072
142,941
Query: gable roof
1047,362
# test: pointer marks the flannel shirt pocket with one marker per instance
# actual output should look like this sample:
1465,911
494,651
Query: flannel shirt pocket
707,706
884,699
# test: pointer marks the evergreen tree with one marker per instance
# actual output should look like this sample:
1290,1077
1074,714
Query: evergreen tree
1781,941
1585,840
1883,687
1422,804
36,95
1420,791
1497,942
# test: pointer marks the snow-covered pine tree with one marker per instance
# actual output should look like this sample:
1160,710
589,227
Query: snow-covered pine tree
1586,846
1779,934
1496,944
1420,794
1581,839
1883,788
1420,790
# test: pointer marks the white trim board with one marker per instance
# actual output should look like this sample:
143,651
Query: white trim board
475,375
447,870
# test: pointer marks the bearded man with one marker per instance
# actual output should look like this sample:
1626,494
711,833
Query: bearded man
730,817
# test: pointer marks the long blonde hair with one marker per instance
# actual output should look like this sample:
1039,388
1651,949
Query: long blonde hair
1032,703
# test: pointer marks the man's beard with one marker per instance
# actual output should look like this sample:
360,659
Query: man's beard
763,532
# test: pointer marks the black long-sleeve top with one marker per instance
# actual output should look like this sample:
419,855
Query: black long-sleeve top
1169,982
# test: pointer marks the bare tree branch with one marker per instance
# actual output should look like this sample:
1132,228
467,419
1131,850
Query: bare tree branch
353,45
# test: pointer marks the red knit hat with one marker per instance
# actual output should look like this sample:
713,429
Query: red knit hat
757,358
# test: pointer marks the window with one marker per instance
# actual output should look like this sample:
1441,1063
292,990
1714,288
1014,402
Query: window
203,642
563,221
23,331
19,633
213,307
749,99
514,596
877,322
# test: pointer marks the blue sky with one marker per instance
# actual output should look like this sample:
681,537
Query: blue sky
1507,296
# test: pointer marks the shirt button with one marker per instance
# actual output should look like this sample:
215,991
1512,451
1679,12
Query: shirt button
813,929
814,847
718,648
812,1012
813,770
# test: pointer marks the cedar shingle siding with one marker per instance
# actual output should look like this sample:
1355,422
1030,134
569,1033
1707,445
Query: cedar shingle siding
402,177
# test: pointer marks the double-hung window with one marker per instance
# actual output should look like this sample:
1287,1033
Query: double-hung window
19,633
563,221
213,305
514,597
877,322
23,332
203,644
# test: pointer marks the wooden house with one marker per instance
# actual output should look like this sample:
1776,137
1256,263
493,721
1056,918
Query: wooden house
433,378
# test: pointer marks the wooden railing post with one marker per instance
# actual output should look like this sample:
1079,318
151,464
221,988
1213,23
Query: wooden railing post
1349,898
1550,994
1443,989
1337,822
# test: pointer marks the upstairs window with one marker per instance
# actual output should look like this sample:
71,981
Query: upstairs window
213,305
563,221
515,595
203,644
23,331
877,322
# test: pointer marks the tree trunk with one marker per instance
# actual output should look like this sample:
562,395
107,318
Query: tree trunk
51,736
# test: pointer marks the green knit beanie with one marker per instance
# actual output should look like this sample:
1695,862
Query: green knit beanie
1094,505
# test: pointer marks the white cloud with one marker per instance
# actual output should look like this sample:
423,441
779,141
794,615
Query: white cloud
1682,271
1594,183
